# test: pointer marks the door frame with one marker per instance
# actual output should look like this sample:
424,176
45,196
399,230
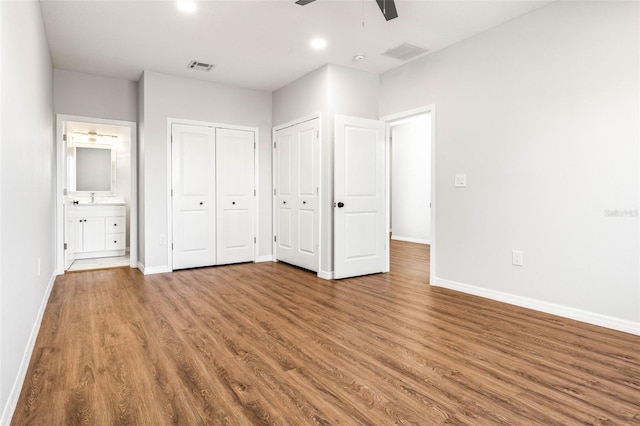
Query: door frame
300,120
61,120
256,181
388,119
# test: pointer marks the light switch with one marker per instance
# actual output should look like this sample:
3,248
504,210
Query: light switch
461,181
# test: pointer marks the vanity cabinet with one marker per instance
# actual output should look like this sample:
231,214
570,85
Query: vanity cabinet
100,230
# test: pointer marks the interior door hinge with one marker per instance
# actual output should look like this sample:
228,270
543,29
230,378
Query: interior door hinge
254,145
172,192
64,137
171,246
274,145
275,239
65,246
254,240
64,191
254,192
318,134
274,191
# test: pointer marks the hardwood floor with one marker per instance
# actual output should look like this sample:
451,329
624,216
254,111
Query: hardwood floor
272,344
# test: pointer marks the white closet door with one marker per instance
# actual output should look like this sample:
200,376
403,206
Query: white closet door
359,194
193,173
297,178
286,221
307,181
235,195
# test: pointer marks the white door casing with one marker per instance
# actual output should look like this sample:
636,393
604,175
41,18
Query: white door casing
360,224
235,195
297,175
193,159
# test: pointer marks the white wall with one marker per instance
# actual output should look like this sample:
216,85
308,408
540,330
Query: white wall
542,115
76,93
411,179
27,159
329,90
167,96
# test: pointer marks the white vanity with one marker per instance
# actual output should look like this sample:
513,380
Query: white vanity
100,230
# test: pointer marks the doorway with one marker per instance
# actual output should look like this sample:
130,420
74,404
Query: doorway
96,194
411,178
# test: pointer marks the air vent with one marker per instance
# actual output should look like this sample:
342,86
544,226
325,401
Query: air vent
195,65
404,52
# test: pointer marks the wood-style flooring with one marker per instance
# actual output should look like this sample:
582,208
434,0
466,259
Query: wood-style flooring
272,344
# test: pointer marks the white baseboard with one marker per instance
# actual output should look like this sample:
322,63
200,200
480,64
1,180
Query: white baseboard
154,270
12,401
410,240
325,275
267,258
538,305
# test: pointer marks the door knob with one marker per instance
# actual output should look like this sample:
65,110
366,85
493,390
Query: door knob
304,202
284,202
233,202
340,204
201,203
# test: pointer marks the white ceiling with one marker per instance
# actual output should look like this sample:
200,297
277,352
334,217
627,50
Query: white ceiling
256,44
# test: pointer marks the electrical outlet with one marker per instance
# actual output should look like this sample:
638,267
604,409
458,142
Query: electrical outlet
460,181
163,239
516,257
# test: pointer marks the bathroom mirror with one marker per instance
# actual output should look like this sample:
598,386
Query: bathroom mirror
91,168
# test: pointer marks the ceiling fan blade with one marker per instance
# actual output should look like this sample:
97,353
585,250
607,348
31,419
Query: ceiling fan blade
304,2
388,9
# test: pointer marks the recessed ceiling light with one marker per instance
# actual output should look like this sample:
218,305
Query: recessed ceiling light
187,6
359,58
318,43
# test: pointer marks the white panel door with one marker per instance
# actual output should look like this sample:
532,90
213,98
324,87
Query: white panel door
286,226
307,175
193,159
235,196
359,197
68,209
297,178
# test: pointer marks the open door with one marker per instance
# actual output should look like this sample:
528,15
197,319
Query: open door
68,207
360,224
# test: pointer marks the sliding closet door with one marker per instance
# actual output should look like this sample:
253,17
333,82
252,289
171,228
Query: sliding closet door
235,151
193,159
297,165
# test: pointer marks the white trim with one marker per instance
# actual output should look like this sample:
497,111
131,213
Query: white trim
14,394
297,121
61,120
542,306
154,270
325,275
410,239
256,184
428,109
265,258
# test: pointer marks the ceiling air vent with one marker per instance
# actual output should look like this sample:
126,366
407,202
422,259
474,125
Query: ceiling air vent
195,65
404,52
